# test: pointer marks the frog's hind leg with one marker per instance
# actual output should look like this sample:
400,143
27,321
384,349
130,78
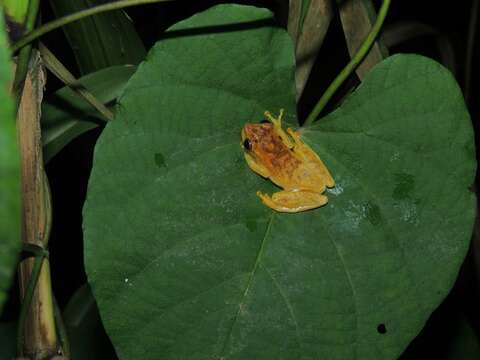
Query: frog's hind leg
293,201
304,150
295,136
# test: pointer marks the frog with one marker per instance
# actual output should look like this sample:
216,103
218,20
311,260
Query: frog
283,158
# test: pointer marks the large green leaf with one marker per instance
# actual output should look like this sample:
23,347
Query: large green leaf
101,40
9,173
185,261
66,116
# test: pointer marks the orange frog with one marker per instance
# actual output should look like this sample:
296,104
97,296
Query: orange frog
289,163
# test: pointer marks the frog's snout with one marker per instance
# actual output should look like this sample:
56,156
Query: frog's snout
244,135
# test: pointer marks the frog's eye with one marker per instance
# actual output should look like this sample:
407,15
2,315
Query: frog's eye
247,144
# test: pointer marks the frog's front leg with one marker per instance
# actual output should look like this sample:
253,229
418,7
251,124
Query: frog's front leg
277,124
293,201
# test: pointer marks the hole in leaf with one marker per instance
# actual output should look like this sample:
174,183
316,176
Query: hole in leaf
382,329
160,160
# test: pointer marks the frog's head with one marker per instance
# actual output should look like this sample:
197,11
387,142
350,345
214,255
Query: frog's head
254,136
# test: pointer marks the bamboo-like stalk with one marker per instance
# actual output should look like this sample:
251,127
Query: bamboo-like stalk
38,340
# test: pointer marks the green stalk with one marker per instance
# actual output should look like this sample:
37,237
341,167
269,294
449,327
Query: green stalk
354,62
61,329
55,24
24,56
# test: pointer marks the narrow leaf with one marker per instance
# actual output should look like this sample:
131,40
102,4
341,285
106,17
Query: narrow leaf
358,17
101,40
66,116
308,22
88,340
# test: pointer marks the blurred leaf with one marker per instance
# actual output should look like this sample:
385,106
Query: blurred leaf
88,340
464,344
184,260
8,337
358,17
10,201
66,116
16,10
308,23
400,32
101,40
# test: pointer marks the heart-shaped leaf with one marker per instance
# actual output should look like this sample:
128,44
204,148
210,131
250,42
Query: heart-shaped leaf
185,261
9,173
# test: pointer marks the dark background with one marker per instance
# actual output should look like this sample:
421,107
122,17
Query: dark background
68,172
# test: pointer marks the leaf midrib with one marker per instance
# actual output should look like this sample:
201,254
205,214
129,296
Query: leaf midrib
248,285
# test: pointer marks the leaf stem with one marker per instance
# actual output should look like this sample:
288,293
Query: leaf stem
55,24
24,56
61,329
354,62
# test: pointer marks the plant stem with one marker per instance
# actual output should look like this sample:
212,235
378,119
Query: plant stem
55,24
40,254
24,56
354,62
27,300
61,329
61,72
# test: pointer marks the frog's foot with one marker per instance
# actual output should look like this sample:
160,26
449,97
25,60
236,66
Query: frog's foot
293,201
275,121
277,124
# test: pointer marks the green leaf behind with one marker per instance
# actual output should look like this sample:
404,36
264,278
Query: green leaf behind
87,337
185,261
9,173
101,40
66,116
8,336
